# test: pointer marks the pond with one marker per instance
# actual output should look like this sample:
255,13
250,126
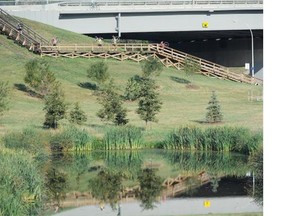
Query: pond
152,182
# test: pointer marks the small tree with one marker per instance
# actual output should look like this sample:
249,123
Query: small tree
98,72
77,116
112,106
38,76
149,103
214,112
55,107
151,66
4,93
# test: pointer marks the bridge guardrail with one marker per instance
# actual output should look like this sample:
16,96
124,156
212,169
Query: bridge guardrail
248,3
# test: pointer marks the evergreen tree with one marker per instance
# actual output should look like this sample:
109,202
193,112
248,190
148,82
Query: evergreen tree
120,117
55,107
149,103
214,112
77,115
38,76
4,93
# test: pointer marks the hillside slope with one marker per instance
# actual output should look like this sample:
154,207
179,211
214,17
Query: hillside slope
181,105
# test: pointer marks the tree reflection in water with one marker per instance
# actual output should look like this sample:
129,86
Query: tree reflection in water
56,184
150,188
107,187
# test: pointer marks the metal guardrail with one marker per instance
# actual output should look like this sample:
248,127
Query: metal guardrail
131,2
196,3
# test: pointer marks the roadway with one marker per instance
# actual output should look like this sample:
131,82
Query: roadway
187,206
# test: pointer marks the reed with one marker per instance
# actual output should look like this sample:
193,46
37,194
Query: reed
223,139
123,137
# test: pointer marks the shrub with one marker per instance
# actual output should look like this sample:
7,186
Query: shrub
71,139
38,76
30,140
98,72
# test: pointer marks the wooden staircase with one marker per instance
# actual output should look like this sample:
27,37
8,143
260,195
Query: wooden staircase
135,52
178,59
26,37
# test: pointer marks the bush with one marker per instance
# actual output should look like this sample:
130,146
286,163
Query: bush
30,140
72,139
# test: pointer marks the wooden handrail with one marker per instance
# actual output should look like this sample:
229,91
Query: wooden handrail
25,29
207,67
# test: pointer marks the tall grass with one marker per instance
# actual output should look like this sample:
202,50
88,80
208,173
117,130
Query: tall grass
21,184
123,137
224,139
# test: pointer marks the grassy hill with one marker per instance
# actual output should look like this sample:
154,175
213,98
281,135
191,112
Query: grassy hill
181,105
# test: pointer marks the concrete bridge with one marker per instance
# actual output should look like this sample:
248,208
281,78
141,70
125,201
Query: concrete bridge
126,16
220,31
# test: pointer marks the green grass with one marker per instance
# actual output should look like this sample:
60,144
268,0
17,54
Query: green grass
181,105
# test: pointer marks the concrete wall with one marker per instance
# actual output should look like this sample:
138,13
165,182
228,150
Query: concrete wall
89,22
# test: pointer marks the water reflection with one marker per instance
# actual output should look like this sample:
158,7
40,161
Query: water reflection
107,186
116,177
150,188
56,184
